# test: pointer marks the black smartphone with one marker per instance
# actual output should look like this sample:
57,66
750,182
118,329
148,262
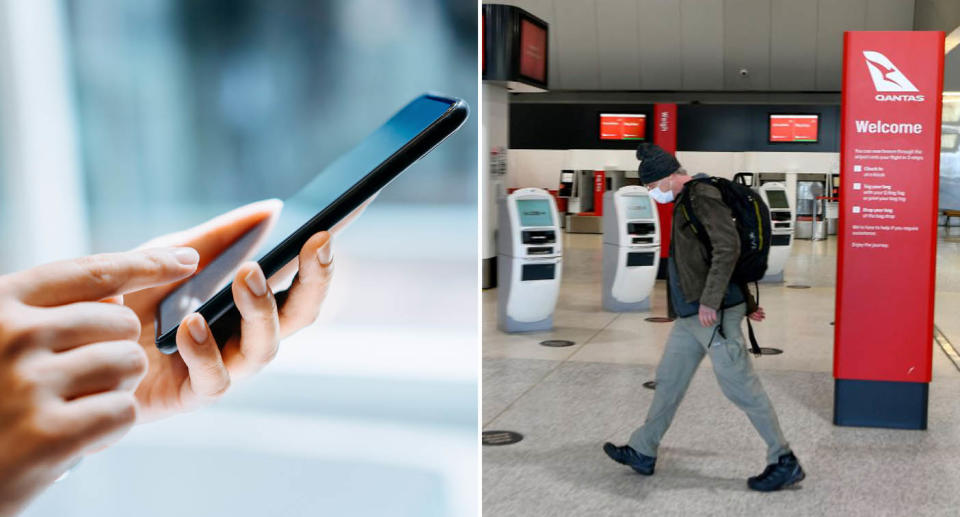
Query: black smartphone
336,191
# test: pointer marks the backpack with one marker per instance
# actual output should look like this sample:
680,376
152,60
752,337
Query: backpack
752,219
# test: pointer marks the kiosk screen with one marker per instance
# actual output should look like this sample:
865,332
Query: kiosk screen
638,207
534,212
777,199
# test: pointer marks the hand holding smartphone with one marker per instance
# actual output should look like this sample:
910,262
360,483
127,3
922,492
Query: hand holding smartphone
337,191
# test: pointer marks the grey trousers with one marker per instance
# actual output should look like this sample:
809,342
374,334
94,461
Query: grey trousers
688,343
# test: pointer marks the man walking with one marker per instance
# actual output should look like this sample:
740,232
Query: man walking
699,284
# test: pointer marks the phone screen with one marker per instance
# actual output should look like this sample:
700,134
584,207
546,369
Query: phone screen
330,184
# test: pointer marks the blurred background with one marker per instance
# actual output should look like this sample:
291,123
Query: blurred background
121,120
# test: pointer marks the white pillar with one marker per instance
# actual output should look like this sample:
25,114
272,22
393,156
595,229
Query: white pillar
494,138
42,211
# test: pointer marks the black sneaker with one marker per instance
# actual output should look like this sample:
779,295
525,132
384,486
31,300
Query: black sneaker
628,456
782,474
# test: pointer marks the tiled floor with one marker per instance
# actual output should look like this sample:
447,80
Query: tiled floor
568,401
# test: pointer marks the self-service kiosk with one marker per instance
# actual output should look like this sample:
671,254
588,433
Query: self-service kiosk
631,249
781,217
529,260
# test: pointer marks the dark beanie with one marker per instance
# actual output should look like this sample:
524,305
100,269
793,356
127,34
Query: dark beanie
655,163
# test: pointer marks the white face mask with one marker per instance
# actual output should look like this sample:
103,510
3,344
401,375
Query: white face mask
662,196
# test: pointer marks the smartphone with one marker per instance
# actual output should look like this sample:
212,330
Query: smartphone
334,193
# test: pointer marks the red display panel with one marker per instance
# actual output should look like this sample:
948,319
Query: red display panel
599,187
665,135
533,51
623,126
889,159
665,126
794,128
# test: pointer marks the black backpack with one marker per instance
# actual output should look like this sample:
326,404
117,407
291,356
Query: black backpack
752,219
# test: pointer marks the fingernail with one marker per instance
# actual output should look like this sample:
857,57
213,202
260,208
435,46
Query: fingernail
256,283
325,254
198,330
186,256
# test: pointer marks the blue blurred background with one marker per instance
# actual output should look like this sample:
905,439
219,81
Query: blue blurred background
121,120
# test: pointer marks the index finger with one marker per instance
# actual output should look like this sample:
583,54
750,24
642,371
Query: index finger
96,277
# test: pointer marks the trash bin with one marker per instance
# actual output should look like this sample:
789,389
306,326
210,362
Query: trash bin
833,217
804,227
820,225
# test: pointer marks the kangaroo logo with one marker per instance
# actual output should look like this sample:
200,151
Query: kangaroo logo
886,76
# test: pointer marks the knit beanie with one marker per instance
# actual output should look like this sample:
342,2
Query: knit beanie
655,163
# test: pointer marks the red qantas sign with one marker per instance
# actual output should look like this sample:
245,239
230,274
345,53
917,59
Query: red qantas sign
890,151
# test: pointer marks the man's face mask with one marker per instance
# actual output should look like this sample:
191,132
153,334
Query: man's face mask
662,196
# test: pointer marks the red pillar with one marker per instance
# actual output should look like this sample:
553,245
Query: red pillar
665,136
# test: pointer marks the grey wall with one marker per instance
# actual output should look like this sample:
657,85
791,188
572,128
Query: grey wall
786,45
942,15
937,15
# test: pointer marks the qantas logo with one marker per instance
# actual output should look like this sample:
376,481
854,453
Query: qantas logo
888,78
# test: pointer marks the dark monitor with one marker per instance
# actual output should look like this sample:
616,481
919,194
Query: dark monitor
638,258
537,272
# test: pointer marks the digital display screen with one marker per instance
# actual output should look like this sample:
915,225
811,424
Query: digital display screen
566,177
534,212
623,126
777,199
327,186
794,128
638,207
533,51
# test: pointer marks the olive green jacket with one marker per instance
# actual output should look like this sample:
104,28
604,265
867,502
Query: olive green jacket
704,278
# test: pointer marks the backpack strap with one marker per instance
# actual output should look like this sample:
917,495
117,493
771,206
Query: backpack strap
685,207
754,346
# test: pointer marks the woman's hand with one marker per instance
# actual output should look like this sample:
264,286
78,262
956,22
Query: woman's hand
68,364
201,371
